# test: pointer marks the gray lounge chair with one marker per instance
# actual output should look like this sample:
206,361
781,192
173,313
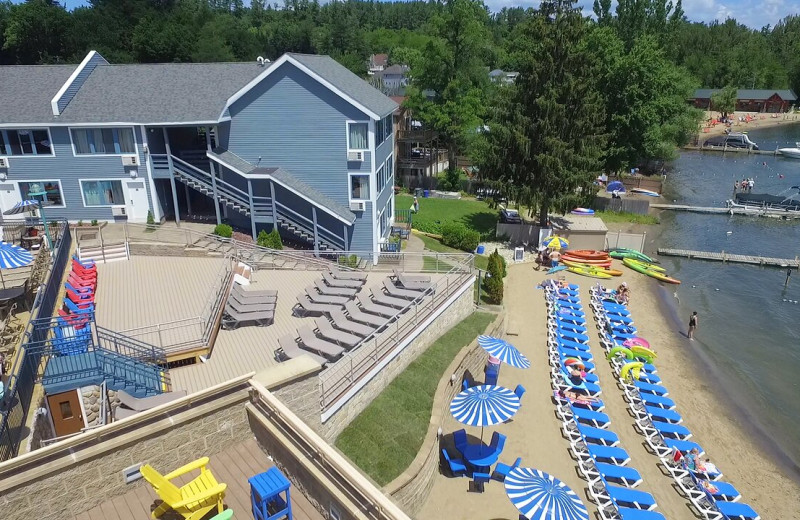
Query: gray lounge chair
289,349
356,314
396,292
342,322
334,291
373,308
130,405
333,282
254,294
348,275
327,331
384,299
253,306
250,300
232,319
306,307
323,346
404,278
316,297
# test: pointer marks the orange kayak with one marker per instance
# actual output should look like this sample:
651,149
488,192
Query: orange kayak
589,254
599,263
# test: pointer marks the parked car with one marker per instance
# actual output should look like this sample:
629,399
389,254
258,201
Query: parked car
510,216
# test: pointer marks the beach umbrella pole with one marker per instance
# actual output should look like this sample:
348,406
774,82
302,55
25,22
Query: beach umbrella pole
46,227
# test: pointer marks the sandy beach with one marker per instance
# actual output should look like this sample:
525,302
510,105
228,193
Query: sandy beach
535,434
759,121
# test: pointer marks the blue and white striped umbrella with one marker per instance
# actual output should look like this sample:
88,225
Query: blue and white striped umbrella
12,256
504,351
540,496
484,405
25,206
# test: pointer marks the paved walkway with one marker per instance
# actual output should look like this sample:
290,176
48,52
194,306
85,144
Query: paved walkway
414,244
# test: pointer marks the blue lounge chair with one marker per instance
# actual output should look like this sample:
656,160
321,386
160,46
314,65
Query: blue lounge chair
628,513
578,320
498,442
657,400
460,438
592,435
637,499
647,376
610,454
737,511
501,470
619,318
568,343
580,354
625,475
456,466
725,492
619,336
559,311
83,291
684,446
591,388
464,385
586,363
590,417
566,325
659,414
74,309
673,431
650,388
572,336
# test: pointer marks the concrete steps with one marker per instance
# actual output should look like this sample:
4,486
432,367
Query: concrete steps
105,253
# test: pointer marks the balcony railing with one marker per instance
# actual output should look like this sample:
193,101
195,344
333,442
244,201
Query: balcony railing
416,135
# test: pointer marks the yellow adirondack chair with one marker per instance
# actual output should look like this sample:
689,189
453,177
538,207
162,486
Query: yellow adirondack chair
193,500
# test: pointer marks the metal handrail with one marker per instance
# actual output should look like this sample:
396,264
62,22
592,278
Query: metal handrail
338,240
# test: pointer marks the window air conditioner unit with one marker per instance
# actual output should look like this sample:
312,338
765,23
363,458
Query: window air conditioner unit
119,211
358,205
355,156
130,160
3,162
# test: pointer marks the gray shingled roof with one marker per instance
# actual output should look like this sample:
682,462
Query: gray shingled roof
286,178
342,78
164,92
26,91
785,94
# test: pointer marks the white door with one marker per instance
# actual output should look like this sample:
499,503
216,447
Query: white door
9,195
136,205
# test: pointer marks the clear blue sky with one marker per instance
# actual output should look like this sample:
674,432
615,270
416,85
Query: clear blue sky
755,14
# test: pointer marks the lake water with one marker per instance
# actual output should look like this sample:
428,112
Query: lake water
749,322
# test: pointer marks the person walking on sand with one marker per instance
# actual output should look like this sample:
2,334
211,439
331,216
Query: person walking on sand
692,325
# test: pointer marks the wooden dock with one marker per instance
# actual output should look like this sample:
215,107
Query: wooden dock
727,149
750,212
728,257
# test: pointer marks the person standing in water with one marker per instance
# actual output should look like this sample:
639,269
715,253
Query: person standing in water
692,325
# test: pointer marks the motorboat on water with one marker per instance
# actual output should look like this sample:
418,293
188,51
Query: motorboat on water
794,153
731,140
766,203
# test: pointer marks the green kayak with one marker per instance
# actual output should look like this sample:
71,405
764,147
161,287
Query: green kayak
621,254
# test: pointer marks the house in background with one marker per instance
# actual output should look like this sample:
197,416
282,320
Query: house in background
750,100
502,77
392,80
301,144
377,62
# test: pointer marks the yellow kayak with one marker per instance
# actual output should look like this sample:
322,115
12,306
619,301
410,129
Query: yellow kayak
630,262
593,273
612,272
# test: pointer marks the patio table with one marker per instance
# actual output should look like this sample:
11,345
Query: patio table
479,455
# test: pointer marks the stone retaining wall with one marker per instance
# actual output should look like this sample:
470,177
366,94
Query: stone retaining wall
63,483
411,489
303,396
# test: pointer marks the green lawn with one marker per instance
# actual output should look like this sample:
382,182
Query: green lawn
474,214
626,217
386,436
481,262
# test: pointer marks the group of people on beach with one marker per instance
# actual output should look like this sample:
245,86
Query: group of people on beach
746,185
546,257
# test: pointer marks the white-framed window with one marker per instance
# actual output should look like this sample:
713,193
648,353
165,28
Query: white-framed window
26,141
103,141
359,186
51,188
383,129
380,176
104,192
389,170
384,222
357,136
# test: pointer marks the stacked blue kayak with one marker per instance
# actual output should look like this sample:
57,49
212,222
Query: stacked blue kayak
658,420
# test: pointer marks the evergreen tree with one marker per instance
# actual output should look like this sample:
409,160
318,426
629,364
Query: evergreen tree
545,132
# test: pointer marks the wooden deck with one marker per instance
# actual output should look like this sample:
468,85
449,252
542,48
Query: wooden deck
146,290
249,348
232,467
728,257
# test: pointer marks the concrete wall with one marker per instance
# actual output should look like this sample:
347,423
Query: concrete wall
59,482
303,398
411,489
